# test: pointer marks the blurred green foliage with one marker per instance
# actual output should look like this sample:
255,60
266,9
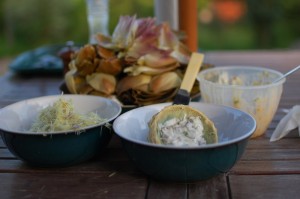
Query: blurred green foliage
267,24
28,24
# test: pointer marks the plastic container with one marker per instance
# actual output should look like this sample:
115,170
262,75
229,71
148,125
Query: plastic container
247,88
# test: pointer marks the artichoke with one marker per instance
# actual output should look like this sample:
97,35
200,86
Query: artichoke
141,63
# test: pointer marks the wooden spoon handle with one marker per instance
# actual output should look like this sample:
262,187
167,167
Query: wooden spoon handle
192,71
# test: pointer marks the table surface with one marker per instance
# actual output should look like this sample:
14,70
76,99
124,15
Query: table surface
266,170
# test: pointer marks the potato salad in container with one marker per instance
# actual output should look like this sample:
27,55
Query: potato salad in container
248,88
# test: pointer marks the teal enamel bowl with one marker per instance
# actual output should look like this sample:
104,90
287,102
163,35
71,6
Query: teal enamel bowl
185,164
56,149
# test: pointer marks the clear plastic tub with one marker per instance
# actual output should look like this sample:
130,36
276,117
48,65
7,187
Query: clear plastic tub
247,88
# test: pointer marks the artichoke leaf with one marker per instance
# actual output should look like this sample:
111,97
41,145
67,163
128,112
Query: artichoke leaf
105,41
137,69
86,67
124,33
105,53
102,82
146,26
157,60
142,87
85,89
181,53
143,45
110,66
86,52
130,82
146,98
167,38
98,93
164,81
76,84
70,81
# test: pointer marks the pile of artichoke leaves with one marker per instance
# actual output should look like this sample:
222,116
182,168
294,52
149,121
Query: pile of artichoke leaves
142,63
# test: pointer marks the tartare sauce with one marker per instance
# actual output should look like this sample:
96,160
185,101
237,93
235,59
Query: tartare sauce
187,131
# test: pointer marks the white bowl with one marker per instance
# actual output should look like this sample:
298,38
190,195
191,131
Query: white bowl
173,163
247,88
56,149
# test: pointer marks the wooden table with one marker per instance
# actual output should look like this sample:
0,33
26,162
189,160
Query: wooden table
266,170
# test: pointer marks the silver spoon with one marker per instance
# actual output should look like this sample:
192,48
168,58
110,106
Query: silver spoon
286,74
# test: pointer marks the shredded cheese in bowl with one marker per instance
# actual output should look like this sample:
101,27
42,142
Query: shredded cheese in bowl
61,116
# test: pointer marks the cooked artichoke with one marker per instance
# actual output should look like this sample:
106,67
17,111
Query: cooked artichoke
181,125
142,63
104,83
146,89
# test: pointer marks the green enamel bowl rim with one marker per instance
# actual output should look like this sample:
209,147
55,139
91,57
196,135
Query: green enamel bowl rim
106,100
207,146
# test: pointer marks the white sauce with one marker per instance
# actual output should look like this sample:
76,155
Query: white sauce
187,131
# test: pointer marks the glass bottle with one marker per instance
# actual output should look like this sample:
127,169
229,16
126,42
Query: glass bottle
98,17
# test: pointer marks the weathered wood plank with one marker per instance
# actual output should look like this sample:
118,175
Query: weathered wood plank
272,154
266,167
285,143
166,190
113,162
264,186
43,185
213,188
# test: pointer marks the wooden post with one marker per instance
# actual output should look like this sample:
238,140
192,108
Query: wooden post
188,22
